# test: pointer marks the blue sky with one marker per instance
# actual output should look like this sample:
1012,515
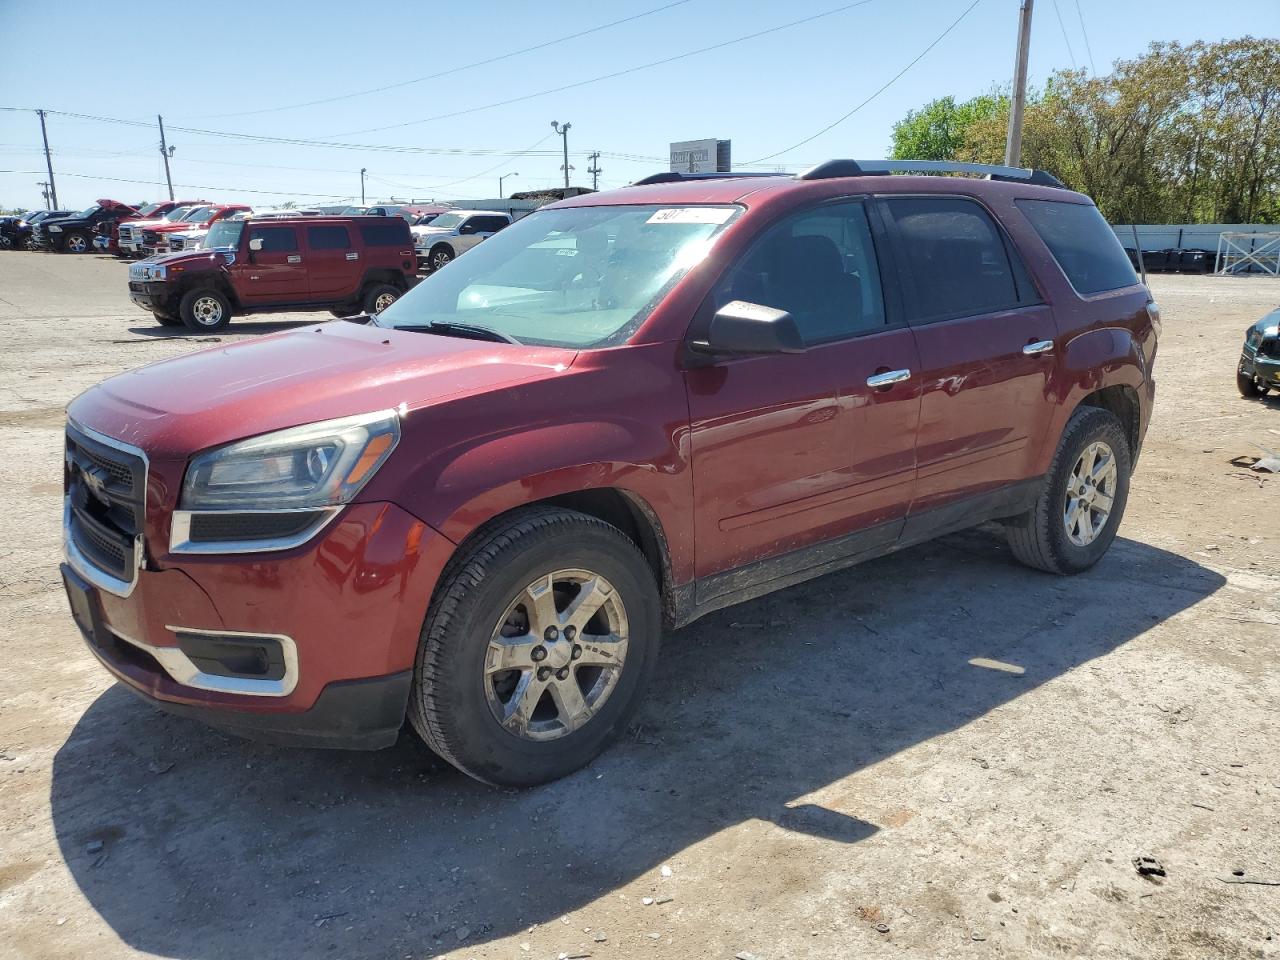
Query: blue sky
219,67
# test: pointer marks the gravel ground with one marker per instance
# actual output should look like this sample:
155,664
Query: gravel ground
936,754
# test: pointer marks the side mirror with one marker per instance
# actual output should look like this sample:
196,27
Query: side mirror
255,244
467,228
740,328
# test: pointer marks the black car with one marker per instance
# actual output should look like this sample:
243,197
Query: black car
75,233
1259,367
15,232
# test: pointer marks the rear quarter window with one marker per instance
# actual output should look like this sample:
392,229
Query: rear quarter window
393,233
328,238
1082,243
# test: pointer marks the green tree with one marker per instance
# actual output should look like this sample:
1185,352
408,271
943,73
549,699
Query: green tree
937,130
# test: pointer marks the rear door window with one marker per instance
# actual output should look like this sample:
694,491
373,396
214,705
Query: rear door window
489,224
955,260
275,239
1085,247
393,233
328,238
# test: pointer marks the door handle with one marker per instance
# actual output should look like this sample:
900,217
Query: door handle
294,258
881,380
1040,346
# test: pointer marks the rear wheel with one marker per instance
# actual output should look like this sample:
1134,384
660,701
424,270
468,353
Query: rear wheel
1249,386
537,647
205,309
77,242
1082,499
379,296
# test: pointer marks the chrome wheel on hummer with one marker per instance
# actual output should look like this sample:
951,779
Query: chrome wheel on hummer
205,309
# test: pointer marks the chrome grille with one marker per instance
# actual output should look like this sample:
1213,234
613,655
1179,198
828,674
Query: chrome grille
106,492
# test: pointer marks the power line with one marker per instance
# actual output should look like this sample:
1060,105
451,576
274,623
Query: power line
189,186
1065,39
1080,13
610,76
451,70
892,80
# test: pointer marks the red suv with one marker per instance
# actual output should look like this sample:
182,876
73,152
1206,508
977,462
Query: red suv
480,509
341,264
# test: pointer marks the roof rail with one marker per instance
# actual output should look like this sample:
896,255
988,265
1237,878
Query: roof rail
675,176
870,168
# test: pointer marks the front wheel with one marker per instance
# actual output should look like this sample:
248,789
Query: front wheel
1249,386
77,242
379,296
537,648
441,255
1082,498
205,309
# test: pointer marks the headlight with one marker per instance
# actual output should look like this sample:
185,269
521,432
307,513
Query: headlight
318,465
159,271
54,228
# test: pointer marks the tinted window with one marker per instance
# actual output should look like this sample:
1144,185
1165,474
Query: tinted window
275,239
328,238
1084,246
393,233
820,267
954,257
490,224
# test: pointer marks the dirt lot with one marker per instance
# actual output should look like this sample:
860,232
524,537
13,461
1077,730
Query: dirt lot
822,773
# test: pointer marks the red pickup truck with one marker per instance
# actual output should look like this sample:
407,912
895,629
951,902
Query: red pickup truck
479,510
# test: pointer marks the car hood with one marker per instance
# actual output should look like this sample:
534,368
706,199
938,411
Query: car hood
430,231
175,407
1269,326
144,223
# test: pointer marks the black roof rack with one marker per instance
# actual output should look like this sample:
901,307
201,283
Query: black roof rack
870,168
675,176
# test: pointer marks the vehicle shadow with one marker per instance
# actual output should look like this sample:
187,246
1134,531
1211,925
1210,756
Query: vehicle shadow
237,327
212,843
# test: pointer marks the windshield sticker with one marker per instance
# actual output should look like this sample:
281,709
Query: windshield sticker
691,215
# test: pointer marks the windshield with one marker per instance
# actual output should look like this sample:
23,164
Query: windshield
447,221
354,212
577,277
176,214
224,235
87,213
147,208
199,215
426,218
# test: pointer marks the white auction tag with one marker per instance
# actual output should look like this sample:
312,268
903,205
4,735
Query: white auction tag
691,215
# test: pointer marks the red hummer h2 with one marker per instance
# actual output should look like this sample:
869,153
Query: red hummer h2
341,264
478,510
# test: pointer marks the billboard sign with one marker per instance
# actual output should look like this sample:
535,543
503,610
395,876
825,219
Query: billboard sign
700,156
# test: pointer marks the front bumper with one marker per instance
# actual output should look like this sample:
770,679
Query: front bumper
1266,369
343,611
150,295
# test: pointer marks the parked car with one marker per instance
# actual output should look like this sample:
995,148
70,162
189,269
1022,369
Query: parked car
341,264
451,234
1259,367
287,214
128,234
15,232
479,508
75,233
155,239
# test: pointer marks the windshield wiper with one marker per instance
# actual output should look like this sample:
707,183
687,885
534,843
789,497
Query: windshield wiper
472,330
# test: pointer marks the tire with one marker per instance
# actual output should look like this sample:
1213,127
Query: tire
485,591
6,242
379,296
1051,536
77,242
204,309
1249,387
441,256
165,320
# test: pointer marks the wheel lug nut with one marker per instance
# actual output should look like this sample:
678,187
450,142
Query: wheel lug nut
544,673
577,651
562,673
551,634
538,653
570,632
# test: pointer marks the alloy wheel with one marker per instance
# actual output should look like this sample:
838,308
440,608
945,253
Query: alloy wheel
1090,494
382,301
77,243
207,311
439,259
556,655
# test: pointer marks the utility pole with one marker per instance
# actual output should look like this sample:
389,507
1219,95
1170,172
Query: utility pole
564,134
166,151
363,171
1013,144
48,160
501,178
45,193
595,170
